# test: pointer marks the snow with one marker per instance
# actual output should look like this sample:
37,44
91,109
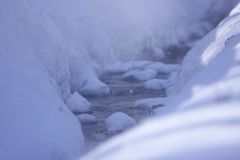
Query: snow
200,119
149,103
86,118
155,84
50,49
118,122
94,88
139,75
207,133
77,103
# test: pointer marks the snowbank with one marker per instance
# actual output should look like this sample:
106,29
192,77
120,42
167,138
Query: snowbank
201,119
118,122
201,134
34,121
77,103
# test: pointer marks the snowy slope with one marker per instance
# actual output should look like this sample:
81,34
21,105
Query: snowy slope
202,119
34,121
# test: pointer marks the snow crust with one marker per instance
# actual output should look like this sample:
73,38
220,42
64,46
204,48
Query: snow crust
118,122
77,103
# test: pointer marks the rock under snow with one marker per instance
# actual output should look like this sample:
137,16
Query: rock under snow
149,103
86,118
118,122
155,84
139,75
77,103
95,88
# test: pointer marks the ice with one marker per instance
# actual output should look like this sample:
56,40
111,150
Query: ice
155,84
77,103
87,119
139,75
118,122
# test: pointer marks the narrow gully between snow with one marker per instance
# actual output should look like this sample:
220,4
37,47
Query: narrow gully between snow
123,95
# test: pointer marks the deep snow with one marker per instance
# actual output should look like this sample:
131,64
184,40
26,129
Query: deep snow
50,49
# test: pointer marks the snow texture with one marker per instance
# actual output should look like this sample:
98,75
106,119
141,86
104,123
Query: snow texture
77,103
50,49
139,75
34,121
149,103
87,119
155,84
118,122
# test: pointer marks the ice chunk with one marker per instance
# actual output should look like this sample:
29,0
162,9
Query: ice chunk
86,118
155,84
139,75
77,103
118,122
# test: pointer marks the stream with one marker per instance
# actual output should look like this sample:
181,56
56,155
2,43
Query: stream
123,95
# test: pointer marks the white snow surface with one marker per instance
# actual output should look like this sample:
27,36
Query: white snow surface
51,47
77,103
139,75
201,119
87,119
155,84
34,121
118,122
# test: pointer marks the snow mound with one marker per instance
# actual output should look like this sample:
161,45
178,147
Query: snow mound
139,75
155,84
149,103
77,103
86,118
94,88
118,122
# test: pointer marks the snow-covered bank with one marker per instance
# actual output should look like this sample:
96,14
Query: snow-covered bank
34,121
50,48
201,119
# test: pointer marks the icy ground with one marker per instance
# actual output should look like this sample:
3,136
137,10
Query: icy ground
123,95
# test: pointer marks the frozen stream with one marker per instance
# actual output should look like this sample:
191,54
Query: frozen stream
123,96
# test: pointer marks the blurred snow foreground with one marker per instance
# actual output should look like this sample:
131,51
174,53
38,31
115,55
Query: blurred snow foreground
50,49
